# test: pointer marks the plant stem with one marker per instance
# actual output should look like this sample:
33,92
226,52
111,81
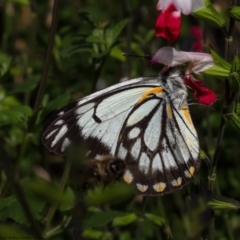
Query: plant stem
48,54
97,72
26,208
62,185
227,103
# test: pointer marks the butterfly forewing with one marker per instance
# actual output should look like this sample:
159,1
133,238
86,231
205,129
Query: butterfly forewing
145,122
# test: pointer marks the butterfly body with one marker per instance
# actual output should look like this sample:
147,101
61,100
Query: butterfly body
144,121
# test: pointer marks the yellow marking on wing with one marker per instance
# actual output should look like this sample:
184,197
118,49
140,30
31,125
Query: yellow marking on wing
179,181
192,170
187,116
190,141
187,174
159,187
128,177
169,111
151,91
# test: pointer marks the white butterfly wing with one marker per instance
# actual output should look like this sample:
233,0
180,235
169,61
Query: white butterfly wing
160,146
154,136
99,116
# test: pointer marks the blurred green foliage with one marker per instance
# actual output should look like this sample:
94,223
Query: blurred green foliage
41,195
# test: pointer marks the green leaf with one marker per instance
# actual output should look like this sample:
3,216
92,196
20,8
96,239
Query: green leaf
14,232
48,192
23,2
234,79
10,208
217,71
67,205
94,234
155,219
210,15
26,86
112,34
101,219
219,61
125,236
219,202
234,12
94,39
125,220
116,53
5,62
57,103
15,115
233,120
113,193
221,68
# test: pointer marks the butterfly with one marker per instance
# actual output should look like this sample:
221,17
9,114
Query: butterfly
143,121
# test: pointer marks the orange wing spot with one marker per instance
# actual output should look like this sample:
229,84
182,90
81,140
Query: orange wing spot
169,111
179,181
192,170
151,91
128,177
159,187
187,116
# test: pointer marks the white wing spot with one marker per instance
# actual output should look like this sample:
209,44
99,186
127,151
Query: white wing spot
157,164
134,133
142,112
65,144
169,160
142,188
61,113
136,149
50,134
144,163
153,131
122,152
59,122
60,134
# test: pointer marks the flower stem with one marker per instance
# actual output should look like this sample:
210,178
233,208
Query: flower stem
227,103
62,185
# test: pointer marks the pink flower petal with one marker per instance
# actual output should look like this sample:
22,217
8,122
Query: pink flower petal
163,4
168,24
185,6
171,57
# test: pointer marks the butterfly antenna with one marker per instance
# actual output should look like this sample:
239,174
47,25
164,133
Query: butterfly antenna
147,57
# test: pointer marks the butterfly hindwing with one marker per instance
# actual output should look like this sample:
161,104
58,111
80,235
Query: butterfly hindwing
155,148
145,122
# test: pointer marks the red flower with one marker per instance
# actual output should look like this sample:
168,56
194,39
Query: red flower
168,24
197,35
204,95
